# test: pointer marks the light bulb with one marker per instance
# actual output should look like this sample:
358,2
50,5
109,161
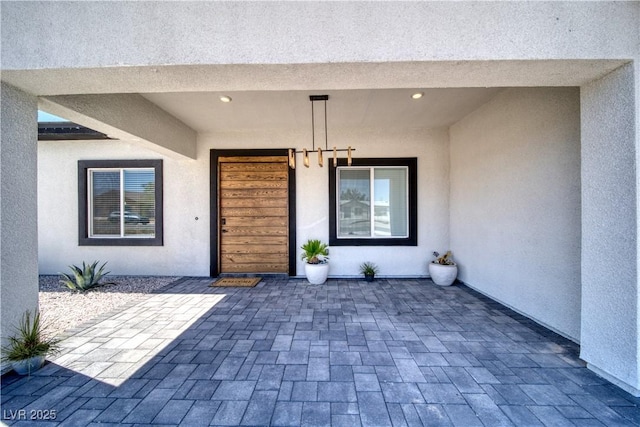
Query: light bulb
292,159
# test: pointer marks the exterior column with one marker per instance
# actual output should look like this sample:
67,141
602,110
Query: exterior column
610,282
18,206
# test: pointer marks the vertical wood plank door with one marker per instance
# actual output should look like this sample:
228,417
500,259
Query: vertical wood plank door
254,214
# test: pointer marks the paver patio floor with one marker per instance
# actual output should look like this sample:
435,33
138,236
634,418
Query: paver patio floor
389,353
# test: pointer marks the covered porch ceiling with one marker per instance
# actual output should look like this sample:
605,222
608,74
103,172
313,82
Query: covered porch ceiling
346,109
185,98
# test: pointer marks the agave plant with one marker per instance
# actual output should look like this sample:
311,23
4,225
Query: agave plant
84,278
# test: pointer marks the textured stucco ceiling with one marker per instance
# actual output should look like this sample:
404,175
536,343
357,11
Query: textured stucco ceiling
373,109
267,96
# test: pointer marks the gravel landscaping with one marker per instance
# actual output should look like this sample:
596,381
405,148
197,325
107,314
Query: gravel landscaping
63,309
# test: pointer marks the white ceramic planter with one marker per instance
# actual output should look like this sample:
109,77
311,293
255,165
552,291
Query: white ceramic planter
316,273
443,275
27,366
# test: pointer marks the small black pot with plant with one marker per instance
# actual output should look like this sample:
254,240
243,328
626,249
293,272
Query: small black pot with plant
369,270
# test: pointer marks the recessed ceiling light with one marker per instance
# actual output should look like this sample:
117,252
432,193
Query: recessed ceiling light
417,95
225,98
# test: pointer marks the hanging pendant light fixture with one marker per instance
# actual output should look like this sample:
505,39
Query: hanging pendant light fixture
320,150
292,159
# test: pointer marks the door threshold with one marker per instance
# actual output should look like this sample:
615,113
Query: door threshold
263,275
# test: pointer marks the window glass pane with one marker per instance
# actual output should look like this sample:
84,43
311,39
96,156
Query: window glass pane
139,202
105,203
354,218
390,202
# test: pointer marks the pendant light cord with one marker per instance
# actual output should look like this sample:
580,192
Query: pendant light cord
313,128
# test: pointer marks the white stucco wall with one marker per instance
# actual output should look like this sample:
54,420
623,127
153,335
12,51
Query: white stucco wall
18,235
610,296
186,248
515,203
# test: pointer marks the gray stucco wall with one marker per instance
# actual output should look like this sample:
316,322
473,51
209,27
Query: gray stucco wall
149,33
609,226
18,214
515,203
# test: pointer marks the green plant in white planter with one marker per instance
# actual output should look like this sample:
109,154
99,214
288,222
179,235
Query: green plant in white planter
443,269
29,346
316,255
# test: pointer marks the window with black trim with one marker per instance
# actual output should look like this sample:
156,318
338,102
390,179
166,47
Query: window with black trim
373,202
120,202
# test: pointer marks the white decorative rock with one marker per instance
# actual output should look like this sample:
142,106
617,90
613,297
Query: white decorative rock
316,273
443,275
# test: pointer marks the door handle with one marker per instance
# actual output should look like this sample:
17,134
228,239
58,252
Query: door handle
224,231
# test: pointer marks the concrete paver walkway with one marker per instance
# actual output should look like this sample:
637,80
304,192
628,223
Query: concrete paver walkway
389,353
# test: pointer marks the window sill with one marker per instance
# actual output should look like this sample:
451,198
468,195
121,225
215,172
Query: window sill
373,242
157,241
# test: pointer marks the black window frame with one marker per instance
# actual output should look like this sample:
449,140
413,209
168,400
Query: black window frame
83,203
411,163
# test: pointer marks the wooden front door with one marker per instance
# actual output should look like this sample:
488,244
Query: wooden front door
253,203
